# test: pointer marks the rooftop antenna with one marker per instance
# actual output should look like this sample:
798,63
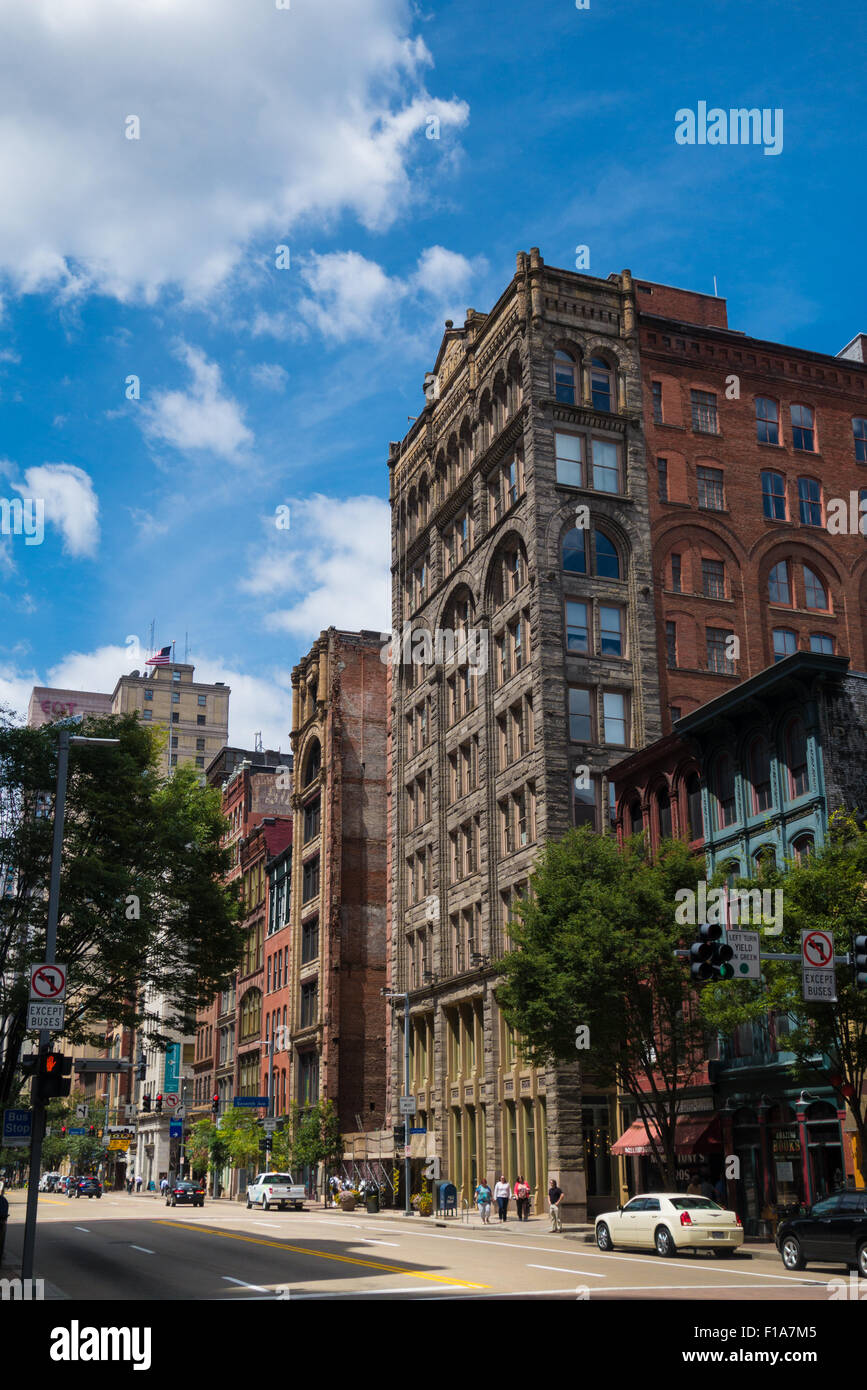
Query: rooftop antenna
715,290
186,646
153,628
257,742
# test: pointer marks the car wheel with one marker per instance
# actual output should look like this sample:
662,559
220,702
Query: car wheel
664,1242
862,1260
791,1253
603,1237
298,1206
265,1204
174,1201
249,1204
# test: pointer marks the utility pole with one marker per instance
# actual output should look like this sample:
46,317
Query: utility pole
407,1162
64,740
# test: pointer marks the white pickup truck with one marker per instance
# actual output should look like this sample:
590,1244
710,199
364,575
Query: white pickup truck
269,1190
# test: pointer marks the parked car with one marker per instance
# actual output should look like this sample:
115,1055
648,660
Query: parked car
834,1231
669,1222
84,1187
48,1182
186,1191
276,1190
61,1184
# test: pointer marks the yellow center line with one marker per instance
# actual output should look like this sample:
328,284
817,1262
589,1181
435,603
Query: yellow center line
322,1255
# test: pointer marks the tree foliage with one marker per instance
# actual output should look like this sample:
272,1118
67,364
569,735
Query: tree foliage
143,910
594,949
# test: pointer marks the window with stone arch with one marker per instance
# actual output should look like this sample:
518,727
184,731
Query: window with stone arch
797,766
514,383
500,401
509,570
486,420
312,763
591,552
566,370
251,1014
724,789
603,383
423,502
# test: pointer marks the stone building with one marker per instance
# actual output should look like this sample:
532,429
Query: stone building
337,958
524,663
193,715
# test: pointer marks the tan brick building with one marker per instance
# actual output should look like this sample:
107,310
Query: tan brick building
519,520
193,715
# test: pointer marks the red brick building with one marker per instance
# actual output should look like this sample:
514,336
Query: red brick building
749,444
337,955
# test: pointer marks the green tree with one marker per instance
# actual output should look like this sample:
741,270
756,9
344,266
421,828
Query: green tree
828,891
314,1138
242,1133
594,950
206,1149
143,910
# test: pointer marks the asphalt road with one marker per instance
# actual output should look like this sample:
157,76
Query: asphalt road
135,1248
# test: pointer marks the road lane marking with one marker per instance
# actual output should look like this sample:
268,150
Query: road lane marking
370,1293
244,1285
666,1288
558,1269
393,1243
142,1249
83,1228
322,1255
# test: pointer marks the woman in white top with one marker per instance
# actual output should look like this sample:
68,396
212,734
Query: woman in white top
501,1196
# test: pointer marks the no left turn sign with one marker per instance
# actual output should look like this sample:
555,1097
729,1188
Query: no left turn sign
48,982
817,949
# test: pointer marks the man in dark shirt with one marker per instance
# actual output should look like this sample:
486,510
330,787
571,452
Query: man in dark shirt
555,1195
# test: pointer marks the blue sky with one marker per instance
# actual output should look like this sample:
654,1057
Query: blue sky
260,386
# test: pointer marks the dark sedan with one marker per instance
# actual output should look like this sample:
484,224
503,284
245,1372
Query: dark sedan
186,1191
84,1187
833,1232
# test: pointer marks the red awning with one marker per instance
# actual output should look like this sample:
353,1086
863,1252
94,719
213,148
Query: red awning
699,1135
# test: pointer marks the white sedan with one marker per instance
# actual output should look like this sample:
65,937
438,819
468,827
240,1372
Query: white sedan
668,1222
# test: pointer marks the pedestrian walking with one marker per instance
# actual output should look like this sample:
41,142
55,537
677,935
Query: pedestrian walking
138,1182
555,1197
522,1199
482,1198
502,1193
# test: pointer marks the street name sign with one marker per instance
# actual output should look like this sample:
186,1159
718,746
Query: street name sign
249,1102
407,1105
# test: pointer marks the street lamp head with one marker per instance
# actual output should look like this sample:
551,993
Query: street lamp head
104,742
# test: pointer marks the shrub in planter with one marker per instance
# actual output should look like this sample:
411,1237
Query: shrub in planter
347,1201
423,1204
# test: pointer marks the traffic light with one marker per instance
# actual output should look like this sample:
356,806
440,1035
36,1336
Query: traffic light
709,957
63,1130
159,1103
146,1104
215,1105
142,1067
860,945
91,1130
53,1077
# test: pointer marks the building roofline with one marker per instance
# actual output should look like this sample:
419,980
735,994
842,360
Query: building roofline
798,665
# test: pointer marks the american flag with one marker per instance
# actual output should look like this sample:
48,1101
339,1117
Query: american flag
162,658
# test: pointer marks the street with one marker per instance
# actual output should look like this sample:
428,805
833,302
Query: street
135,1248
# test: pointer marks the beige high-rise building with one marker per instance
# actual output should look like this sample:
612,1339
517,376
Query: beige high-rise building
194,716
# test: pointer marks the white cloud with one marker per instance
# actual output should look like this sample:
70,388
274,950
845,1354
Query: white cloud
15,688
201,418
70,503
253,120
332,566
270,375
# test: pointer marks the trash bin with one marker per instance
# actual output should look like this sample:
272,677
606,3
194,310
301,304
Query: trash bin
372,1202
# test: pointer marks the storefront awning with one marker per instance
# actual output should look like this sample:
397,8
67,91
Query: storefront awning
697,1135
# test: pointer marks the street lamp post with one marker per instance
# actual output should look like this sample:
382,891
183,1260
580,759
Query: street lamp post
64,740
407,1163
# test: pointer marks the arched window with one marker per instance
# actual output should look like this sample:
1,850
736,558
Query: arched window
565,377
636,820
500,401
822,642
760,775
796,758
514,383
423,502
724,786
802,848
779,589
601,384
859,433
607,559
486,421
814,590
785,643
312,764
508,571
465,449
693,806
251,1014
764,860
575,551
663,813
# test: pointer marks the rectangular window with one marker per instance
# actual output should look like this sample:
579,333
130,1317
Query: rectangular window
821,642
585,801
774,496
611,631
309,992
711,497
676,574
309,941
577,631
200,718
202,699
717,639
704,412
778,584
567,451
580,716
767,421
176,697
200,745
803,433
713,578
176,718
174,740
785,643
859,434
176,675
149,694
310,880
662,475
656,393
614,717
671,644
606,466
147,714
810,502
200,762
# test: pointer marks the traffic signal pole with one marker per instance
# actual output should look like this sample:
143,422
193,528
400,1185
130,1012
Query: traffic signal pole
64,739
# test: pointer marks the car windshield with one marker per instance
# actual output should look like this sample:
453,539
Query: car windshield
277,1177
694,1204
185,1184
